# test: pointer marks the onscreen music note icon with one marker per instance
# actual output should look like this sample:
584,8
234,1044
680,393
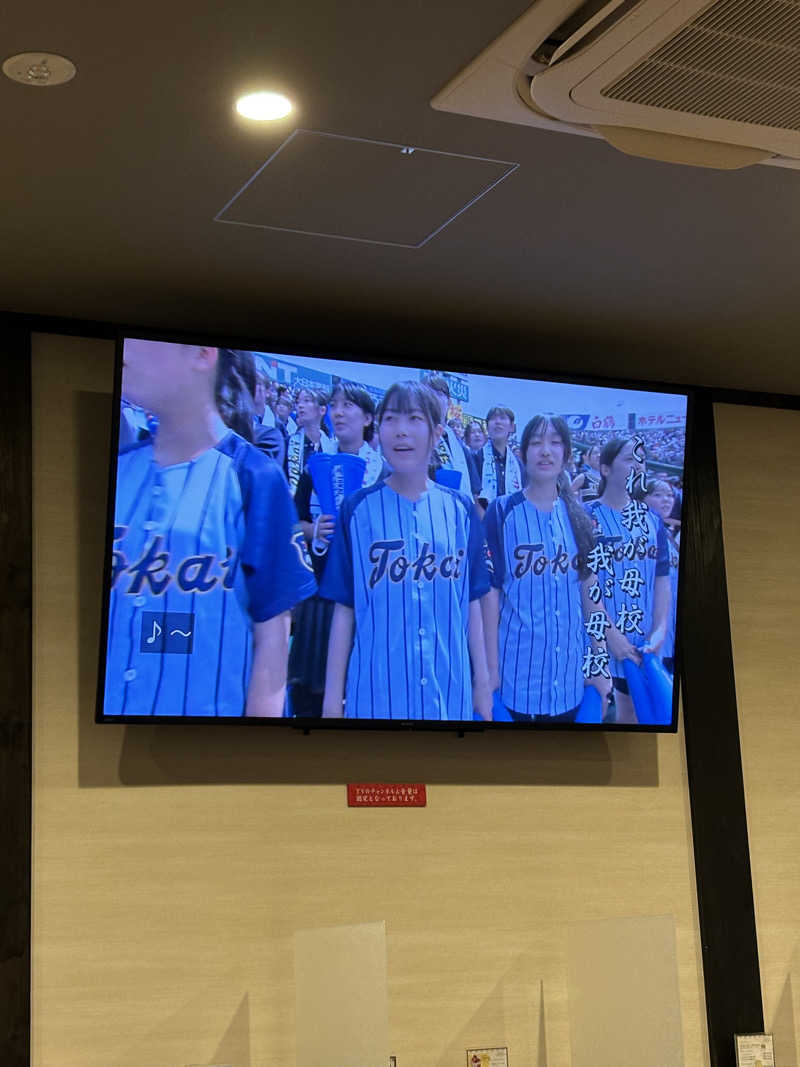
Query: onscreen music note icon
167,632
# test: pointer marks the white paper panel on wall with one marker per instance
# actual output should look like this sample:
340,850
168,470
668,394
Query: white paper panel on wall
342,1007
624,1001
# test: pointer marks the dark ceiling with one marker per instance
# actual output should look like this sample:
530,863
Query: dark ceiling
582,258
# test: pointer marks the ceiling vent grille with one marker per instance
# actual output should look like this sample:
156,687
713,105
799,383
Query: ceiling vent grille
737,60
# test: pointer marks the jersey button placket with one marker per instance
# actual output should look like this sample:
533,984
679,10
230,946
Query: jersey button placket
426,629
412,652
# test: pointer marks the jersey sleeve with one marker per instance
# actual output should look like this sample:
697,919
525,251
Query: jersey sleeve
476,552
662,551
337,585
494,543
277,568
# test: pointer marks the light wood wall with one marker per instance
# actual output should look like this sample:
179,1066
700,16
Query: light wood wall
172,866
760,492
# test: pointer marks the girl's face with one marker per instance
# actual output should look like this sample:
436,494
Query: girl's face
349,420
593,458
660,500
283,410
162,377
309,412
406,439
544,460
616,474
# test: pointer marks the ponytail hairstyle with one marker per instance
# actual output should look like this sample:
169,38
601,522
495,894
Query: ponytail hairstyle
317,396
611,449
235,388
579,521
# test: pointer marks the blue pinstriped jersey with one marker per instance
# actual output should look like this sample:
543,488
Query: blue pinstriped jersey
635,558
202,550
409,571
533,557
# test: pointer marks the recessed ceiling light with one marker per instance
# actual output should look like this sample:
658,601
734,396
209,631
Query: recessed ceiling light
263,106
42,69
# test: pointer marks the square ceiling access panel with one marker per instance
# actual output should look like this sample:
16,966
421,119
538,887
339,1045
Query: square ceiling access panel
328,185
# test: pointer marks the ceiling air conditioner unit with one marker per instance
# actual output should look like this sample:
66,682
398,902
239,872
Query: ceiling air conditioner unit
714,85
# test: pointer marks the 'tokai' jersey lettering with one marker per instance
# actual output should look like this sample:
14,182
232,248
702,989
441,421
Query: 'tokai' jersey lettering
202,551
529,558
541,640
409,570
391,562
151,571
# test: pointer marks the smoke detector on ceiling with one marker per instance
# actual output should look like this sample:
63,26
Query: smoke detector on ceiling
684,81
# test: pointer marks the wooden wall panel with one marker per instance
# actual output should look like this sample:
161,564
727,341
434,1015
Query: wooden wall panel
757,453
172,866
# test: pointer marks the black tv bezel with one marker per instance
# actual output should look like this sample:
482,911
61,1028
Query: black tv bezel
421,362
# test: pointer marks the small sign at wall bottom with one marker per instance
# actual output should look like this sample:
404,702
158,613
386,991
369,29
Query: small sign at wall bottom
754,1050
487,1057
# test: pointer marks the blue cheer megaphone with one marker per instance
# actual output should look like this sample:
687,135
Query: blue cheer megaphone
660,688
637,684
591,708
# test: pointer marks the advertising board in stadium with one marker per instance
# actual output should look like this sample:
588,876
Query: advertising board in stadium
311,540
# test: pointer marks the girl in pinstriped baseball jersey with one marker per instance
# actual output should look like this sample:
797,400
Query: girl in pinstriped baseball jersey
208,555
537,612
631,562
406,570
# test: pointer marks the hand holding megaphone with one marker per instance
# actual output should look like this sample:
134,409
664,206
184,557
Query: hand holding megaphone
324,527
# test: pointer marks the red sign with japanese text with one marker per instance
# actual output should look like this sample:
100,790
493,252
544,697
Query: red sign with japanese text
386,795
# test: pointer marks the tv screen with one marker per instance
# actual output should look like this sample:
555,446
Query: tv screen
320,541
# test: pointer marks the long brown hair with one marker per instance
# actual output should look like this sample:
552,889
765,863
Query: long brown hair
235,390
579,521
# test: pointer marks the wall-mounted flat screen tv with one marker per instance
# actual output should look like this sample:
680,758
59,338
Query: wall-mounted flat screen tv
323,541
